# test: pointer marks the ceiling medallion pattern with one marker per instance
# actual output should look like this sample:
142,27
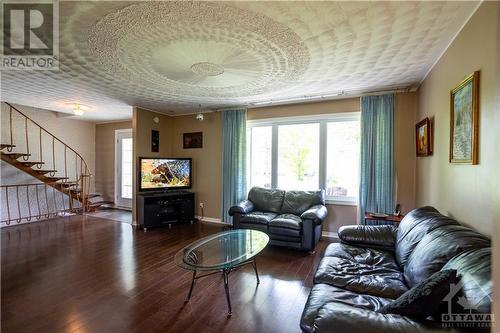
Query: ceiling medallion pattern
196,49
207,69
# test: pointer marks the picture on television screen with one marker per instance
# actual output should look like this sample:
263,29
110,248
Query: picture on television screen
160,173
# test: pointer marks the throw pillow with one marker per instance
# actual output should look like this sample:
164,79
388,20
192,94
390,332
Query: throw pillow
424,299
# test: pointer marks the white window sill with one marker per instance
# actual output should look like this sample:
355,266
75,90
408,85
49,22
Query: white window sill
341,202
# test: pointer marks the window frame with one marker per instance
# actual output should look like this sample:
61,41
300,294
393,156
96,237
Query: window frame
322,120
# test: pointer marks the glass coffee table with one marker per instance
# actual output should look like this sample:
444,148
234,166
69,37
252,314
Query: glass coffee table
222,252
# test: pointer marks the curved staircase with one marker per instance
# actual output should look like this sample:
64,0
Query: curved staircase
47,159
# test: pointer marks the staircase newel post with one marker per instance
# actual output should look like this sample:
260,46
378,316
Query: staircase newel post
82,193
9,149
39,166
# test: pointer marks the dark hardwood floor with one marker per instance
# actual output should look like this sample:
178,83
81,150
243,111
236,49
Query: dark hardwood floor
89,274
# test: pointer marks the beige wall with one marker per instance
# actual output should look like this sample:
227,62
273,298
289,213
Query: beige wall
467,192
207,163
142,124
105,157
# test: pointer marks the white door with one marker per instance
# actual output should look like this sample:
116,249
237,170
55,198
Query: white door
123,167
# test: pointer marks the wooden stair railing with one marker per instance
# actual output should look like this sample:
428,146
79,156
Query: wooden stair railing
59,167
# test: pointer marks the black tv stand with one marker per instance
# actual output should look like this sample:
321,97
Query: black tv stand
158,209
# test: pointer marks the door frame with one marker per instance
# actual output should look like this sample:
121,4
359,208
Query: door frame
117,183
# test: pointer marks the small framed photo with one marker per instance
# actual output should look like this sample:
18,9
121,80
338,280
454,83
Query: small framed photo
193,140
155,141
423,136
464,121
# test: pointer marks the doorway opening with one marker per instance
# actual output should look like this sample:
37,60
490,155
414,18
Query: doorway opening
123,168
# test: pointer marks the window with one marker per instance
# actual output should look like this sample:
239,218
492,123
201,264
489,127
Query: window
306,153
260,156
298,156
342,164
126,182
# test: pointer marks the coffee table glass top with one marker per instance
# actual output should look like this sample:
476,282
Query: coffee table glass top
222,250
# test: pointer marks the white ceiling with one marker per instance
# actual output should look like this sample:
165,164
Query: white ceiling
172,56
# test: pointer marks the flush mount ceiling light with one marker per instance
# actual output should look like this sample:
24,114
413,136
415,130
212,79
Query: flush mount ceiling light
79,109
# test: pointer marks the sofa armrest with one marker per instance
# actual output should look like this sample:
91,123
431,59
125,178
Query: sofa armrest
244,207
316,213
381,236
343,318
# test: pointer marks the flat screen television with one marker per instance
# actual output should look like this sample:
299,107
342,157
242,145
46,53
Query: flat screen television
158,174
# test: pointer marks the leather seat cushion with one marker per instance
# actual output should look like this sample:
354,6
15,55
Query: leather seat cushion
286,227
366,279
362,255
322,294
257,217
289,221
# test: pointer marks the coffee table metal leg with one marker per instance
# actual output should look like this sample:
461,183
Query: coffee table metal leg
192,286
254,263
225,272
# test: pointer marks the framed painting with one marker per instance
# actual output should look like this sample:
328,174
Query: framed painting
423,136
193,140
464,121
155,141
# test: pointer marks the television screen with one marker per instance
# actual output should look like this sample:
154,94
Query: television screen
165,173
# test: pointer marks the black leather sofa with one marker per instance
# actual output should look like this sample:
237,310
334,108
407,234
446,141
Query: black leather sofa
292,218
375,264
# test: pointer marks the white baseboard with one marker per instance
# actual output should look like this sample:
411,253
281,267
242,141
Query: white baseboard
211,220
329,234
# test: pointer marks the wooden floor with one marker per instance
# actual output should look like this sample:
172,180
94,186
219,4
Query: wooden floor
91,274
119,215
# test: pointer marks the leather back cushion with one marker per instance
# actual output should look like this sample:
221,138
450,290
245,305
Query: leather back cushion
474,271
439,246
297,202
414,226
266,200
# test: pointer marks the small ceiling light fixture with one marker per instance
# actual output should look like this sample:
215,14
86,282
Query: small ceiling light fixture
200,115
79,109
156,120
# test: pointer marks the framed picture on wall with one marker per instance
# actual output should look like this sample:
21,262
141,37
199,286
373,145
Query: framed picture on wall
155,141
464,121
193,140
423,137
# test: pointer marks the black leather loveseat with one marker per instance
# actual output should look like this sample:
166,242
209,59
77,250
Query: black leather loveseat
373,265
292,218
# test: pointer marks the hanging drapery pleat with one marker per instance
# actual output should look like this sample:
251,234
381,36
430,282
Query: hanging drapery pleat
377,179
233,160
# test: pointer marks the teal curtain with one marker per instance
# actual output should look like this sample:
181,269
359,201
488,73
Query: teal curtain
234,135
377,179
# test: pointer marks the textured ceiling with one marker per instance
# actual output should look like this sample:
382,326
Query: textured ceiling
173,56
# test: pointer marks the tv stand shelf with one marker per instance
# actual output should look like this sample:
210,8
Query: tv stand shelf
158,209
